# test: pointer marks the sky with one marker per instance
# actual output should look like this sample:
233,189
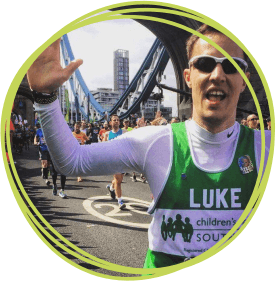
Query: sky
96,43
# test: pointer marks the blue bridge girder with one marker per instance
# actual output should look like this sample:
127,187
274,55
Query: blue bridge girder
65,46
159,67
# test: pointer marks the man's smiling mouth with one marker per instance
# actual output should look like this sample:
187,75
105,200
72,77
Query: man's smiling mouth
215,96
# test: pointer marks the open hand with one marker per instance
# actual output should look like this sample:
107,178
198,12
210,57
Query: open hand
141,122
46,74
158,114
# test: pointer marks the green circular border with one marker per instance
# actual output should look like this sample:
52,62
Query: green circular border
94,17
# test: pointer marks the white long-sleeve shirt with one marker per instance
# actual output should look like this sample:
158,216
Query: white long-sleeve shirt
148,150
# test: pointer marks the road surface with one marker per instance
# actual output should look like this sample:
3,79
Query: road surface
89,218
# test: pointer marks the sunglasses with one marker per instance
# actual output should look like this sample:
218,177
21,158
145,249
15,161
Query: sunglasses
254,119
207,64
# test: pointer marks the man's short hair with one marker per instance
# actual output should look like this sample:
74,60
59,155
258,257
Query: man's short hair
204,30
249,116
113,115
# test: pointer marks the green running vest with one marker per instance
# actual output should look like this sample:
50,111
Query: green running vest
196,208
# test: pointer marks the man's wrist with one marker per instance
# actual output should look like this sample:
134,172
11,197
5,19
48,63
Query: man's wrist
43,98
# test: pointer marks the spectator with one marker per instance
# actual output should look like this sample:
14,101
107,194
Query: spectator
268,121
244,122
175,120
252,121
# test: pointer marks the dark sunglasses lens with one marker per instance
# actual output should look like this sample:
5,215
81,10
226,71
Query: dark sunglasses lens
205,64
241,65
229,68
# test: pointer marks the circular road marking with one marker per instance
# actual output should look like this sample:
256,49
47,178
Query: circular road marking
116,212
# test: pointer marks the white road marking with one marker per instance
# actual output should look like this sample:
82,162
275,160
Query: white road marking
116,212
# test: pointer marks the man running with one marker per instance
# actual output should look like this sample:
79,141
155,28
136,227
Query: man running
81,137
43,153
89,133
46,164
194,168
126,126
27,137
103,131
18,139
83,127
116,186
95,132
61,194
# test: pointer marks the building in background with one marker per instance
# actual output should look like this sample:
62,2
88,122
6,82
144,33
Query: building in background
106,97
150,112
151,107
121,70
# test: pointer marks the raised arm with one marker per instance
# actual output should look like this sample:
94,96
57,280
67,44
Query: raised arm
69,158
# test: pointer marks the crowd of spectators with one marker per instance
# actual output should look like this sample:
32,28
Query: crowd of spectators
95,130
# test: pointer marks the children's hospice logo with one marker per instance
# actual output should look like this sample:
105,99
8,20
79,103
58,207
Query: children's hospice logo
171,228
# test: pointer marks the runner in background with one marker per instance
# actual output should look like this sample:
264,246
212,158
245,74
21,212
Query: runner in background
126,125
103,131
61,194
80,137
44,155
115,188
18,139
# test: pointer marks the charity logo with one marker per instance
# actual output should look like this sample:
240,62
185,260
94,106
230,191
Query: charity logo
171,228
245,164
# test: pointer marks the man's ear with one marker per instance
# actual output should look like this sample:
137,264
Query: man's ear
247,74
187,77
